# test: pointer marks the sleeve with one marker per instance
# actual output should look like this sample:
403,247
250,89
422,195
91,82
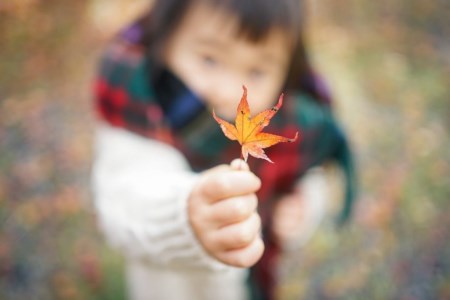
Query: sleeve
141,187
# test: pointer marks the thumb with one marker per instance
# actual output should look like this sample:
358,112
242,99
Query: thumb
239,165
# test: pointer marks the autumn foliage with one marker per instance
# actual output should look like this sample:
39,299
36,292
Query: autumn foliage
248,131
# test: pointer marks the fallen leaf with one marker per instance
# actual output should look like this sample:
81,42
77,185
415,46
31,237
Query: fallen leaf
247,130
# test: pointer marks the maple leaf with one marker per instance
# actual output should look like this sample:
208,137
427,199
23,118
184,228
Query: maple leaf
247,130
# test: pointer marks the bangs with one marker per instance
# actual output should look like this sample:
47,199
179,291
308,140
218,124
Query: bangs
256,19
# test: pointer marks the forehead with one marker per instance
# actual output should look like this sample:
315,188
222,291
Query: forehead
203,22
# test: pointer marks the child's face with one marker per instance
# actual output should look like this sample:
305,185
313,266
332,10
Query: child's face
208,56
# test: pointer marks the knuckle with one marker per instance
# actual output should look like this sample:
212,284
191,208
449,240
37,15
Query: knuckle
209,242
240,261
239,209
221,185
236,259
257,182
258,221
253,202
244,236
246,256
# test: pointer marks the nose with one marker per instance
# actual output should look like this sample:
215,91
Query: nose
227,92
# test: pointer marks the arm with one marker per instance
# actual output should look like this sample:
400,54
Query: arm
141,189
298,215
151,206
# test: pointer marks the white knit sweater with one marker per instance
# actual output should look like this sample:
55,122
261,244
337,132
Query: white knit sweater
141,187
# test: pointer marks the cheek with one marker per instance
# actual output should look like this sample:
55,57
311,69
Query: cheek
186,67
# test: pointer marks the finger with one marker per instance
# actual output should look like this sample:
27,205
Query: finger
244,257
239,164
233,210
238,235
217,169
222,185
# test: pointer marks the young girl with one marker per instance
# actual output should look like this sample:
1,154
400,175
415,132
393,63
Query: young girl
189,224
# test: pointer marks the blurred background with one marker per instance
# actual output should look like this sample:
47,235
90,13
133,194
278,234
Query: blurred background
388,64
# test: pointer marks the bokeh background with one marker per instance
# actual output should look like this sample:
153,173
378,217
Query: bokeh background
388,65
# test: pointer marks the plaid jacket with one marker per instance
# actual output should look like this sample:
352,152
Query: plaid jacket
130,94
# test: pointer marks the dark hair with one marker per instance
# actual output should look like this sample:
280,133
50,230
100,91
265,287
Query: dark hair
255,20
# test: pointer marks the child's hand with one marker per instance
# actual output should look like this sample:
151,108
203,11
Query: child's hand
288,218
222,212
296,216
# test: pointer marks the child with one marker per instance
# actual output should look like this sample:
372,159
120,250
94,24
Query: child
188,223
